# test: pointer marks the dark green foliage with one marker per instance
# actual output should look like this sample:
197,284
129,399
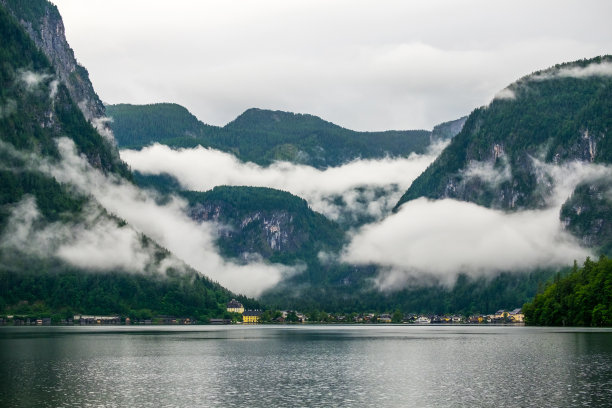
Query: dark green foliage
163,183
344,288
548,119
45,288
261,136
248,199
52,199
582,298
141,125
31,11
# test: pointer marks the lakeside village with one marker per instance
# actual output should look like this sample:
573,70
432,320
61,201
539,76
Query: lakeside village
236,314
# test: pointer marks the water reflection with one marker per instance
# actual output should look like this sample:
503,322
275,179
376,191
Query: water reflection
304,366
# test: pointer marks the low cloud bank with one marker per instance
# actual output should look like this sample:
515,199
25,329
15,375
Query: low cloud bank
95,242
447,237
101,243
594,69
168,225
356,182
505,93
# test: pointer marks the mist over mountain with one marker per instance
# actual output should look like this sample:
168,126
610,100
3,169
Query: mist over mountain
287,207
63,249
507,152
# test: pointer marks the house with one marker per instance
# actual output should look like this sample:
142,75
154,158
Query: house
517,316
423,320
384,318
500,314
234,306
251,316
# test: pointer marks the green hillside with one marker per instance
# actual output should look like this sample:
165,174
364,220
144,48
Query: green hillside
582,298
36,109
260,136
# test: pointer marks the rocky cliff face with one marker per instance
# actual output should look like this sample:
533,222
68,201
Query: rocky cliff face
447,130
262,232
43,22
588,214
272,223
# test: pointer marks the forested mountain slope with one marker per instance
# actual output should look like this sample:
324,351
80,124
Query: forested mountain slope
45,224
552,117
582,298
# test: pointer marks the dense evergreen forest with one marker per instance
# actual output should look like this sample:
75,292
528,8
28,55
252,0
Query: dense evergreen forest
261,136
582,298
38,292
346,288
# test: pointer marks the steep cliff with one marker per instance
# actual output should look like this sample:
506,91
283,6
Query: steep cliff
447,130
43,22
274,224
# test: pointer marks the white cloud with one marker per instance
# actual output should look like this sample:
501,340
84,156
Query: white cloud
505,93
201,169
594,69
102,126
447,237
94,242
53,86
32,79
487,172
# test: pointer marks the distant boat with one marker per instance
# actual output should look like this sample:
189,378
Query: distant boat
423,320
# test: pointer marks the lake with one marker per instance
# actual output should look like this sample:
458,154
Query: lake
305,365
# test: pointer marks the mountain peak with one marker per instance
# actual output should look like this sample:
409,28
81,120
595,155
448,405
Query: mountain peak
265,119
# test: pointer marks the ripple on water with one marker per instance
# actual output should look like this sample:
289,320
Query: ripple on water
314,367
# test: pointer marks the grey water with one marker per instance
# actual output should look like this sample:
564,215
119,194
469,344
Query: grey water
305,366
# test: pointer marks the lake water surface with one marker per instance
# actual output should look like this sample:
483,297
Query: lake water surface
308,366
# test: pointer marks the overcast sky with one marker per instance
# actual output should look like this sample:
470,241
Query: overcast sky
366,65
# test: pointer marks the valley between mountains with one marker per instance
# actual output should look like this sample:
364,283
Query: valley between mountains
146,210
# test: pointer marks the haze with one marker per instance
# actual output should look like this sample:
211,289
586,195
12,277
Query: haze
363,65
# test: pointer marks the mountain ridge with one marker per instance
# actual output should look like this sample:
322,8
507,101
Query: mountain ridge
262,136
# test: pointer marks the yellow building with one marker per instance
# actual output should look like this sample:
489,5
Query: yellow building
235,306
517,316
251,316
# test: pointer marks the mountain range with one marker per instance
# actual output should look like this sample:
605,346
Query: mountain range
264,136
61,168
